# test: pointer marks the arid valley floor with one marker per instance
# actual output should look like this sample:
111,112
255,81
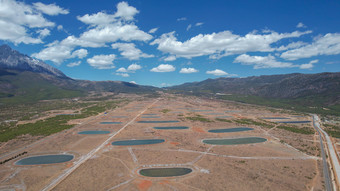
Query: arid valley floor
283,161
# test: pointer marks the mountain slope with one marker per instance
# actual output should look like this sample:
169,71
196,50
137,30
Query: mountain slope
24,79
317,93
274,86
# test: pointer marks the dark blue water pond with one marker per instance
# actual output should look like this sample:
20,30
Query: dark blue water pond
293,121
224,116
150,114
158,121
164,172
235,141
275,118
118,116
93,132
45,159
200,110
214,114
131,110
230,130
231,111
171,127
138,142
108,122
150,117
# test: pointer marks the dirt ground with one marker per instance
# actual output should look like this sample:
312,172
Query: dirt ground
286,161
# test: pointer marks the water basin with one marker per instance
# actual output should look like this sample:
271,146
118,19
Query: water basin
235,141
275,118
45,159
224,116
171,127
230,130
165,172
293,121
214,114
138,142
174,121
200,110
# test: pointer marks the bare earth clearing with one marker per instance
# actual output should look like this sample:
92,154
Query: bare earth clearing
286,161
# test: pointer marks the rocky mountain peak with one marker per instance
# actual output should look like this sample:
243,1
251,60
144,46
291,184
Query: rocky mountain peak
12,59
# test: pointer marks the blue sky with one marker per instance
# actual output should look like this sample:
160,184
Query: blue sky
164,43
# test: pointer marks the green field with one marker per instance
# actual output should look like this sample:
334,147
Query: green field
54,124
309,104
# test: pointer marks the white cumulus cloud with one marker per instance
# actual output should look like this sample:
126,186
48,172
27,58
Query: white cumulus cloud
134,67
262,61
170,58
163,68
51,9
131,69
129,51
300,25
102,61
81,53
58,53
188,70
73,64
310,65
99,18
328,44
43,32
18,18
217,72
221,44
123,74
104,28
153,30
125,11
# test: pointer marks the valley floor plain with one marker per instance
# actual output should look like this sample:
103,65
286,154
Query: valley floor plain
284,159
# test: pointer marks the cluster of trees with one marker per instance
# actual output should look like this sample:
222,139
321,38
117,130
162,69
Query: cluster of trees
13,157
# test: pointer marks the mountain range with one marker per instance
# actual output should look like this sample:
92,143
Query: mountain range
24,79
272,86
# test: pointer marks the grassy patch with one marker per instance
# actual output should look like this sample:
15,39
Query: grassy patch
253,122
51,125
332,130
224,120
199,118
303,130
165,110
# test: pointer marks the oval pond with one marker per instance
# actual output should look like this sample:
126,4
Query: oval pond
45,159
235,141
138,142
165,172
230,130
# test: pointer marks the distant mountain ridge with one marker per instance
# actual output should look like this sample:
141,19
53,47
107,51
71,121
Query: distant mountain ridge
26,79
12,59
274,86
